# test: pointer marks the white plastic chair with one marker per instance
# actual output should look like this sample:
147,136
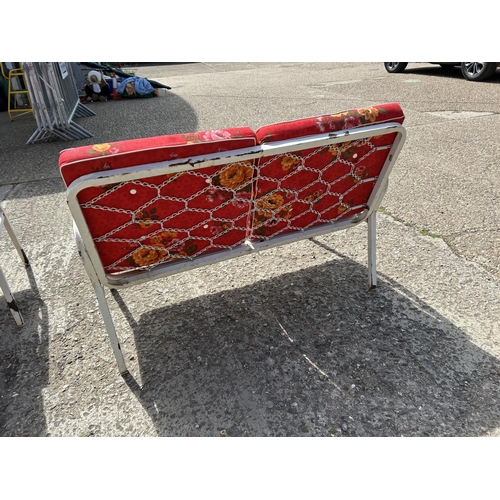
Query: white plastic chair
3,281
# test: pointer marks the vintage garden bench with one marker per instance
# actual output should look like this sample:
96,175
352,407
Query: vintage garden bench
148,208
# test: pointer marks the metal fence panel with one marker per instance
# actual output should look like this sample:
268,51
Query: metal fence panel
54,94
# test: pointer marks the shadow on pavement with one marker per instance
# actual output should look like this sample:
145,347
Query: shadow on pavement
24,364
312,353
114,121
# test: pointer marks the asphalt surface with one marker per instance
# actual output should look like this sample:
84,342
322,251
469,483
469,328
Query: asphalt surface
290,341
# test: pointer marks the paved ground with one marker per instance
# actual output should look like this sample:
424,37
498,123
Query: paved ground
288,342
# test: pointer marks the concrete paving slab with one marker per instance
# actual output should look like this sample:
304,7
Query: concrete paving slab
287,342
460,197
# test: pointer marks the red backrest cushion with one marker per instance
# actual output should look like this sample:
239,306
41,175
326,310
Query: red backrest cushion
141,223
308,187
381,113
76,162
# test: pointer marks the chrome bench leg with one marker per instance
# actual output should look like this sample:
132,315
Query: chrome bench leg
4,286
110,327
15,241
10,300
372,251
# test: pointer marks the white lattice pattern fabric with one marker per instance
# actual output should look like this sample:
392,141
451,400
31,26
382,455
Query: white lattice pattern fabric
305,188
143,223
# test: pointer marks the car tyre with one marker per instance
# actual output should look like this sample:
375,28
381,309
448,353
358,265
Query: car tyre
478,71
395,67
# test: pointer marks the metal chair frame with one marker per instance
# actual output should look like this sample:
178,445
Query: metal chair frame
101,279
4,286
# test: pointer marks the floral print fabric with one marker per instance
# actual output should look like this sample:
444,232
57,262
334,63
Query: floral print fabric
311,187
145,222
142,223
331,123
76,162
305,188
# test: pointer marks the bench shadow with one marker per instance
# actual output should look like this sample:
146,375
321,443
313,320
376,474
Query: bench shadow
311,353
24,364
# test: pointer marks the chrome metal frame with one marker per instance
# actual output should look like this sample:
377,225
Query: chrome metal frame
55,102
4,286
101,279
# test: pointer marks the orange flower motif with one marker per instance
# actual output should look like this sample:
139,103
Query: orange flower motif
270,202
101,148
285,212
235,175
370,114
341,147
311,198
148,256
146,218
259,218
163,238
289,162
181,254
333,151
342,208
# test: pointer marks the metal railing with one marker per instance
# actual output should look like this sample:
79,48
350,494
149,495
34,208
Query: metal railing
55,100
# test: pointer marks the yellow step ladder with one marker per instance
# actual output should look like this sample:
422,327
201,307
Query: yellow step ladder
14,106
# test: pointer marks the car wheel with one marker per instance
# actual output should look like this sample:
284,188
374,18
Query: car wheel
478,71
393,67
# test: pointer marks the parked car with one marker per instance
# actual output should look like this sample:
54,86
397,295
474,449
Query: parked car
474,71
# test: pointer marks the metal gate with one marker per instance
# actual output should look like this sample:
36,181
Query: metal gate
55,100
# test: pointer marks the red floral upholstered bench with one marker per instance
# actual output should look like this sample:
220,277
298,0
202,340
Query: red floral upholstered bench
147,208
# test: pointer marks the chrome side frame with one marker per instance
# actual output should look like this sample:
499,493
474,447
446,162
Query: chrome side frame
100,279
4,286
